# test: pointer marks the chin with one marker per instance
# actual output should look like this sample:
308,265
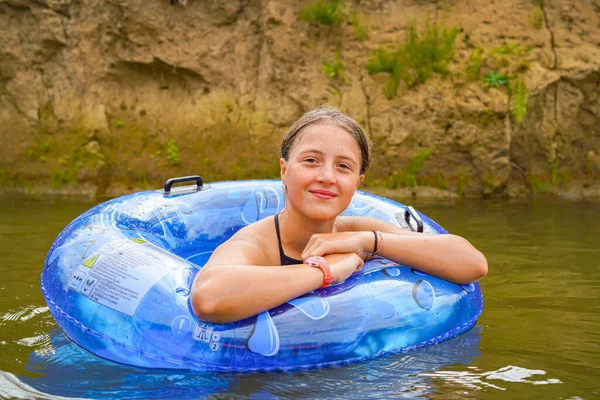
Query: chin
321,215
323,212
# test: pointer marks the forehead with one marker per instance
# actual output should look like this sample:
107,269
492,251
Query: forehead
325,136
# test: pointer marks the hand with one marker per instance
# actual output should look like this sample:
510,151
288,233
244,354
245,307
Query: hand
343,265
321,244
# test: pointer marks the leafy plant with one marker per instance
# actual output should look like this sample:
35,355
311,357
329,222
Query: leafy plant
173,153
323,12
118,123
495,79
416,60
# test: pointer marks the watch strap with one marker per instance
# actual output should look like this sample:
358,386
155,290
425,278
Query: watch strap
321,263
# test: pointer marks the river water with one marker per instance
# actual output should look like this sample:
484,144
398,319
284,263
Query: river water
538,336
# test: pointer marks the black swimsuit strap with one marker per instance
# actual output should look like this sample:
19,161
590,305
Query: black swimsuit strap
281,254
285,260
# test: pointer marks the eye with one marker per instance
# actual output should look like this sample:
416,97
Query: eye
344,166
310,160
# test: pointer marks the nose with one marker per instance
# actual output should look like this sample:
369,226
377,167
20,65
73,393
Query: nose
327,174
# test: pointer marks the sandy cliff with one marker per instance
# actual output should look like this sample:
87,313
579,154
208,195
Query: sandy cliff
107,96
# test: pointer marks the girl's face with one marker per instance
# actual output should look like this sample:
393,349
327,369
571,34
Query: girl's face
322,171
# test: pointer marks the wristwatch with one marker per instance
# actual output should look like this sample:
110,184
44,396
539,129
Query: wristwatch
320,262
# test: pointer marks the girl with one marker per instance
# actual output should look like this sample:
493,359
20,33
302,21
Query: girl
324,157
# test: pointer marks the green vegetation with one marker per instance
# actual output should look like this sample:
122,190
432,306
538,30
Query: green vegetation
42,149
519,100
462,183
61,176
554,173
334,70
539,186
416,60
416,164
118,124
517,90
408,178
173,153
142,180
66,169
495,79
361,32
537,17
514,49
510,57
551,183
474,67
323,12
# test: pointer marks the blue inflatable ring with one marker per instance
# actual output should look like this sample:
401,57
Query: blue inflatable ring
117,280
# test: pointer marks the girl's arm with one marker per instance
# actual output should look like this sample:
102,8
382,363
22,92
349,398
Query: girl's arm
233,285
449,257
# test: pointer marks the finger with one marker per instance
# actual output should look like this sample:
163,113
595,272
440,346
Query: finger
311,251
320,249
310,246
311,243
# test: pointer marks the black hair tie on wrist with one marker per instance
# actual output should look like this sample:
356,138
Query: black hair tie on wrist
374,247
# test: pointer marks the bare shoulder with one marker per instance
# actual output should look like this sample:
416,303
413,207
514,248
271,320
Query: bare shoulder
353,224
249,245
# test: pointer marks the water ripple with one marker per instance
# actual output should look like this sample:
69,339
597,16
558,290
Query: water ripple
24,314
476,380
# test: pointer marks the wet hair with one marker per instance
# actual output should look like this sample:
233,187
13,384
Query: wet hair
328,115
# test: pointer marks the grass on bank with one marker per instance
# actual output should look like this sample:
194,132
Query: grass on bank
537,17
323,12
173,153
408,177
334,69
361,30
474,67
519,100
415,61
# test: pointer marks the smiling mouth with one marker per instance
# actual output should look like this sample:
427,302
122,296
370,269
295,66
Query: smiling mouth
323,194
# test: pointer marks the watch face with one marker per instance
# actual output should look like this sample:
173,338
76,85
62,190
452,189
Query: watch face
311,262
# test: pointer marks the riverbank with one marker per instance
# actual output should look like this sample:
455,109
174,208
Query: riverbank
574,191
478,99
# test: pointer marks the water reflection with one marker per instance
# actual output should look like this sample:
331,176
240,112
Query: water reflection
67,370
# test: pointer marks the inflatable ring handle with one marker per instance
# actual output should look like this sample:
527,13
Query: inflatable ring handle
181,179
410,212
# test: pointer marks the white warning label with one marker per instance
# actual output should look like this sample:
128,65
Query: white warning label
121,273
